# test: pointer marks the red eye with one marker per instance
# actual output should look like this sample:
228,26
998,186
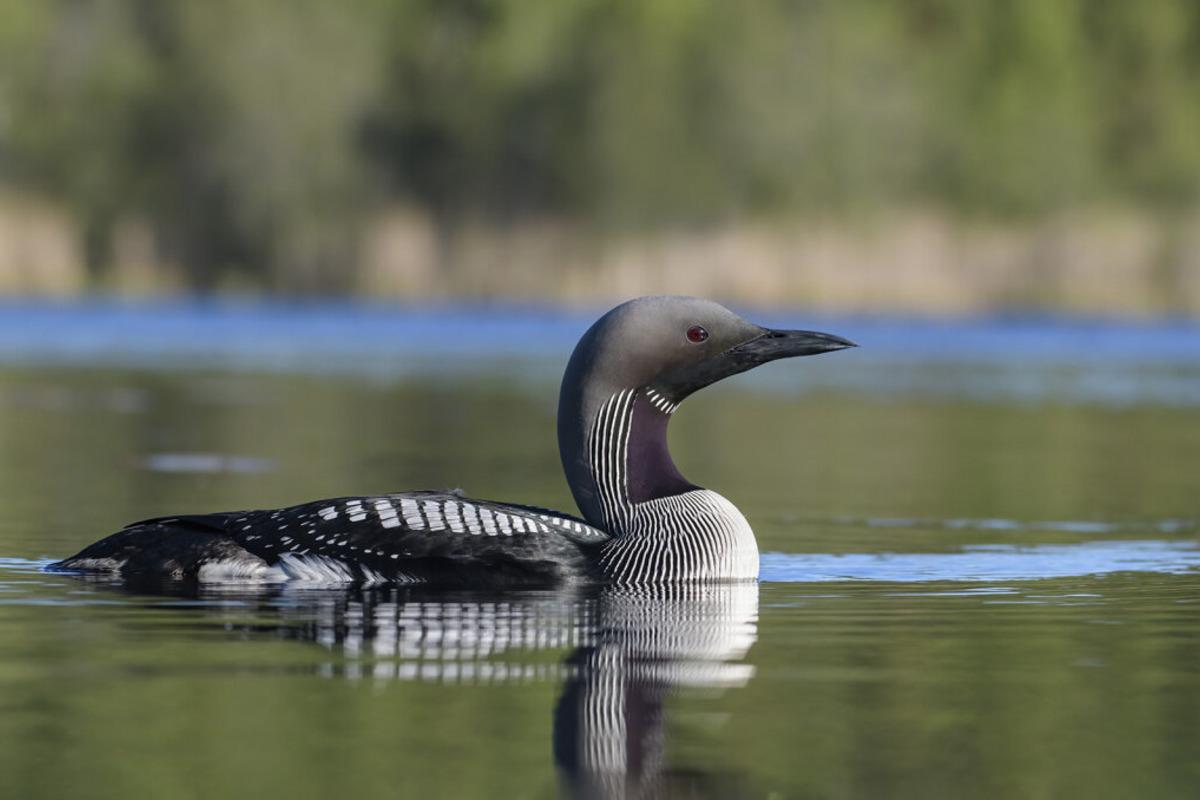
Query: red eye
696,334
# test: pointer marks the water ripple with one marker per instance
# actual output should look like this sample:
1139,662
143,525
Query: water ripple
973,563
1174,526
993,562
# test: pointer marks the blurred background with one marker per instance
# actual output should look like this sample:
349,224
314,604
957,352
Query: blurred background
936,156
258,253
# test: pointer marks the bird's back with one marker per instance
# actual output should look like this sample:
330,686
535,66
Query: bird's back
412,537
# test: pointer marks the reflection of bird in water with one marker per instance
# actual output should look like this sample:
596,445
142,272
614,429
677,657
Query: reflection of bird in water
609,724
643,521
627,650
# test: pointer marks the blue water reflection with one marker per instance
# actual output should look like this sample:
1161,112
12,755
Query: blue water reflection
1010,359
972,563
992,562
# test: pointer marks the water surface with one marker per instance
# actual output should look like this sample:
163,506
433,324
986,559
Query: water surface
980,574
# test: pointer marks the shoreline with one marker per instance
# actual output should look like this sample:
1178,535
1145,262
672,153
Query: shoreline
1109,263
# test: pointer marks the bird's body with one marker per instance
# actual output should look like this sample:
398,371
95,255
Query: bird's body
642,520
404,538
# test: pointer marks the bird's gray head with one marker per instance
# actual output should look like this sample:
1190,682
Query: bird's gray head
659,350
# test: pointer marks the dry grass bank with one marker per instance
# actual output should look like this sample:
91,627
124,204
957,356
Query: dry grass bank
1108,263
1103,262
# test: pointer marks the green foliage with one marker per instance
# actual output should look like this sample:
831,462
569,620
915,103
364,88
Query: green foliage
256,136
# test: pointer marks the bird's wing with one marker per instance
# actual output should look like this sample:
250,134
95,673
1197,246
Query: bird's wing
427,537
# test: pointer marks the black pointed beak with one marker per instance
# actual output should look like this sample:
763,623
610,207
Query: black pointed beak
769,345
774,344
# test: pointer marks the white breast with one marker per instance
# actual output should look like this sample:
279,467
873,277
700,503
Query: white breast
697,535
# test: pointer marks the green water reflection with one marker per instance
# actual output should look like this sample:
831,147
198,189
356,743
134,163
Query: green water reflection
1072,687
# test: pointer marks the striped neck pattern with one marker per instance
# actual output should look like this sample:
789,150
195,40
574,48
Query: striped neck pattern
664,527
608,455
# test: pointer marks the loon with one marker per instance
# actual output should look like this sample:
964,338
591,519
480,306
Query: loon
642,521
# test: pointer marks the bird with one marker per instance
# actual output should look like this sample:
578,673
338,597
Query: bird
641,521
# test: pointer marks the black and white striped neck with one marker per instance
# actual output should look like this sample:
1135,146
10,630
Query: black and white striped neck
628,457
664,526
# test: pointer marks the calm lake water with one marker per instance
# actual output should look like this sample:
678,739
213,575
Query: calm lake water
981,571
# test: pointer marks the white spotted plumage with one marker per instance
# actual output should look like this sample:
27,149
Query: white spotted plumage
661,403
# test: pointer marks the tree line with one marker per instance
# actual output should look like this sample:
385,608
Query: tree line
254,138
